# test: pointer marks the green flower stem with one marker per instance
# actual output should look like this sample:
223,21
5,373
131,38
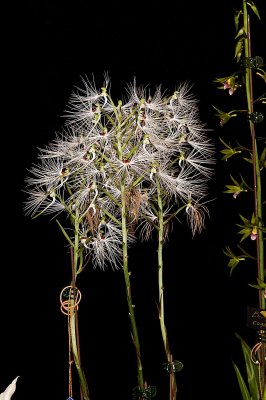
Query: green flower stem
256,177
135,336
260,246
256,168
172,385
75,352
75,347
77,267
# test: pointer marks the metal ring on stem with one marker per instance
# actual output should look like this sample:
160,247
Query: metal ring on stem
73,294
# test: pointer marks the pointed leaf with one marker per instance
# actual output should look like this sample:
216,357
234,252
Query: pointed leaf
237,16
242,385
254,8
240,33
252,371
263,158
65,234
238,49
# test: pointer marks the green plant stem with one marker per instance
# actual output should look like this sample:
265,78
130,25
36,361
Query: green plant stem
172,383
135,336
76,355
75,345
134,333
256,168
256,179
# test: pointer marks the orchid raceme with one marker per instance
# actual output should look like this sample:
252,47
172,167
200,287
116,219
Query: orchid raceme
118,165
250,188
106,144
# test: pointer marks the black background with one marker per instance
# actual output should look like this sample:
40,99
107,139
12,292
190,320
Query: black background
48,47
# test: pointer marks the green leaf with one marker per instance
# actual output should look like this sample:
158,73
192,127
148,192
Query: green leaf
236,17
254,8
242,385
263,159
111,216
239,48
165,222
65,234
240,33
252,371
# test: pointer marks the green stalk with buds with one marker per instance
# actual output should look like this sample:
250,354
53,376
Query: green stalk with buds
252,225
